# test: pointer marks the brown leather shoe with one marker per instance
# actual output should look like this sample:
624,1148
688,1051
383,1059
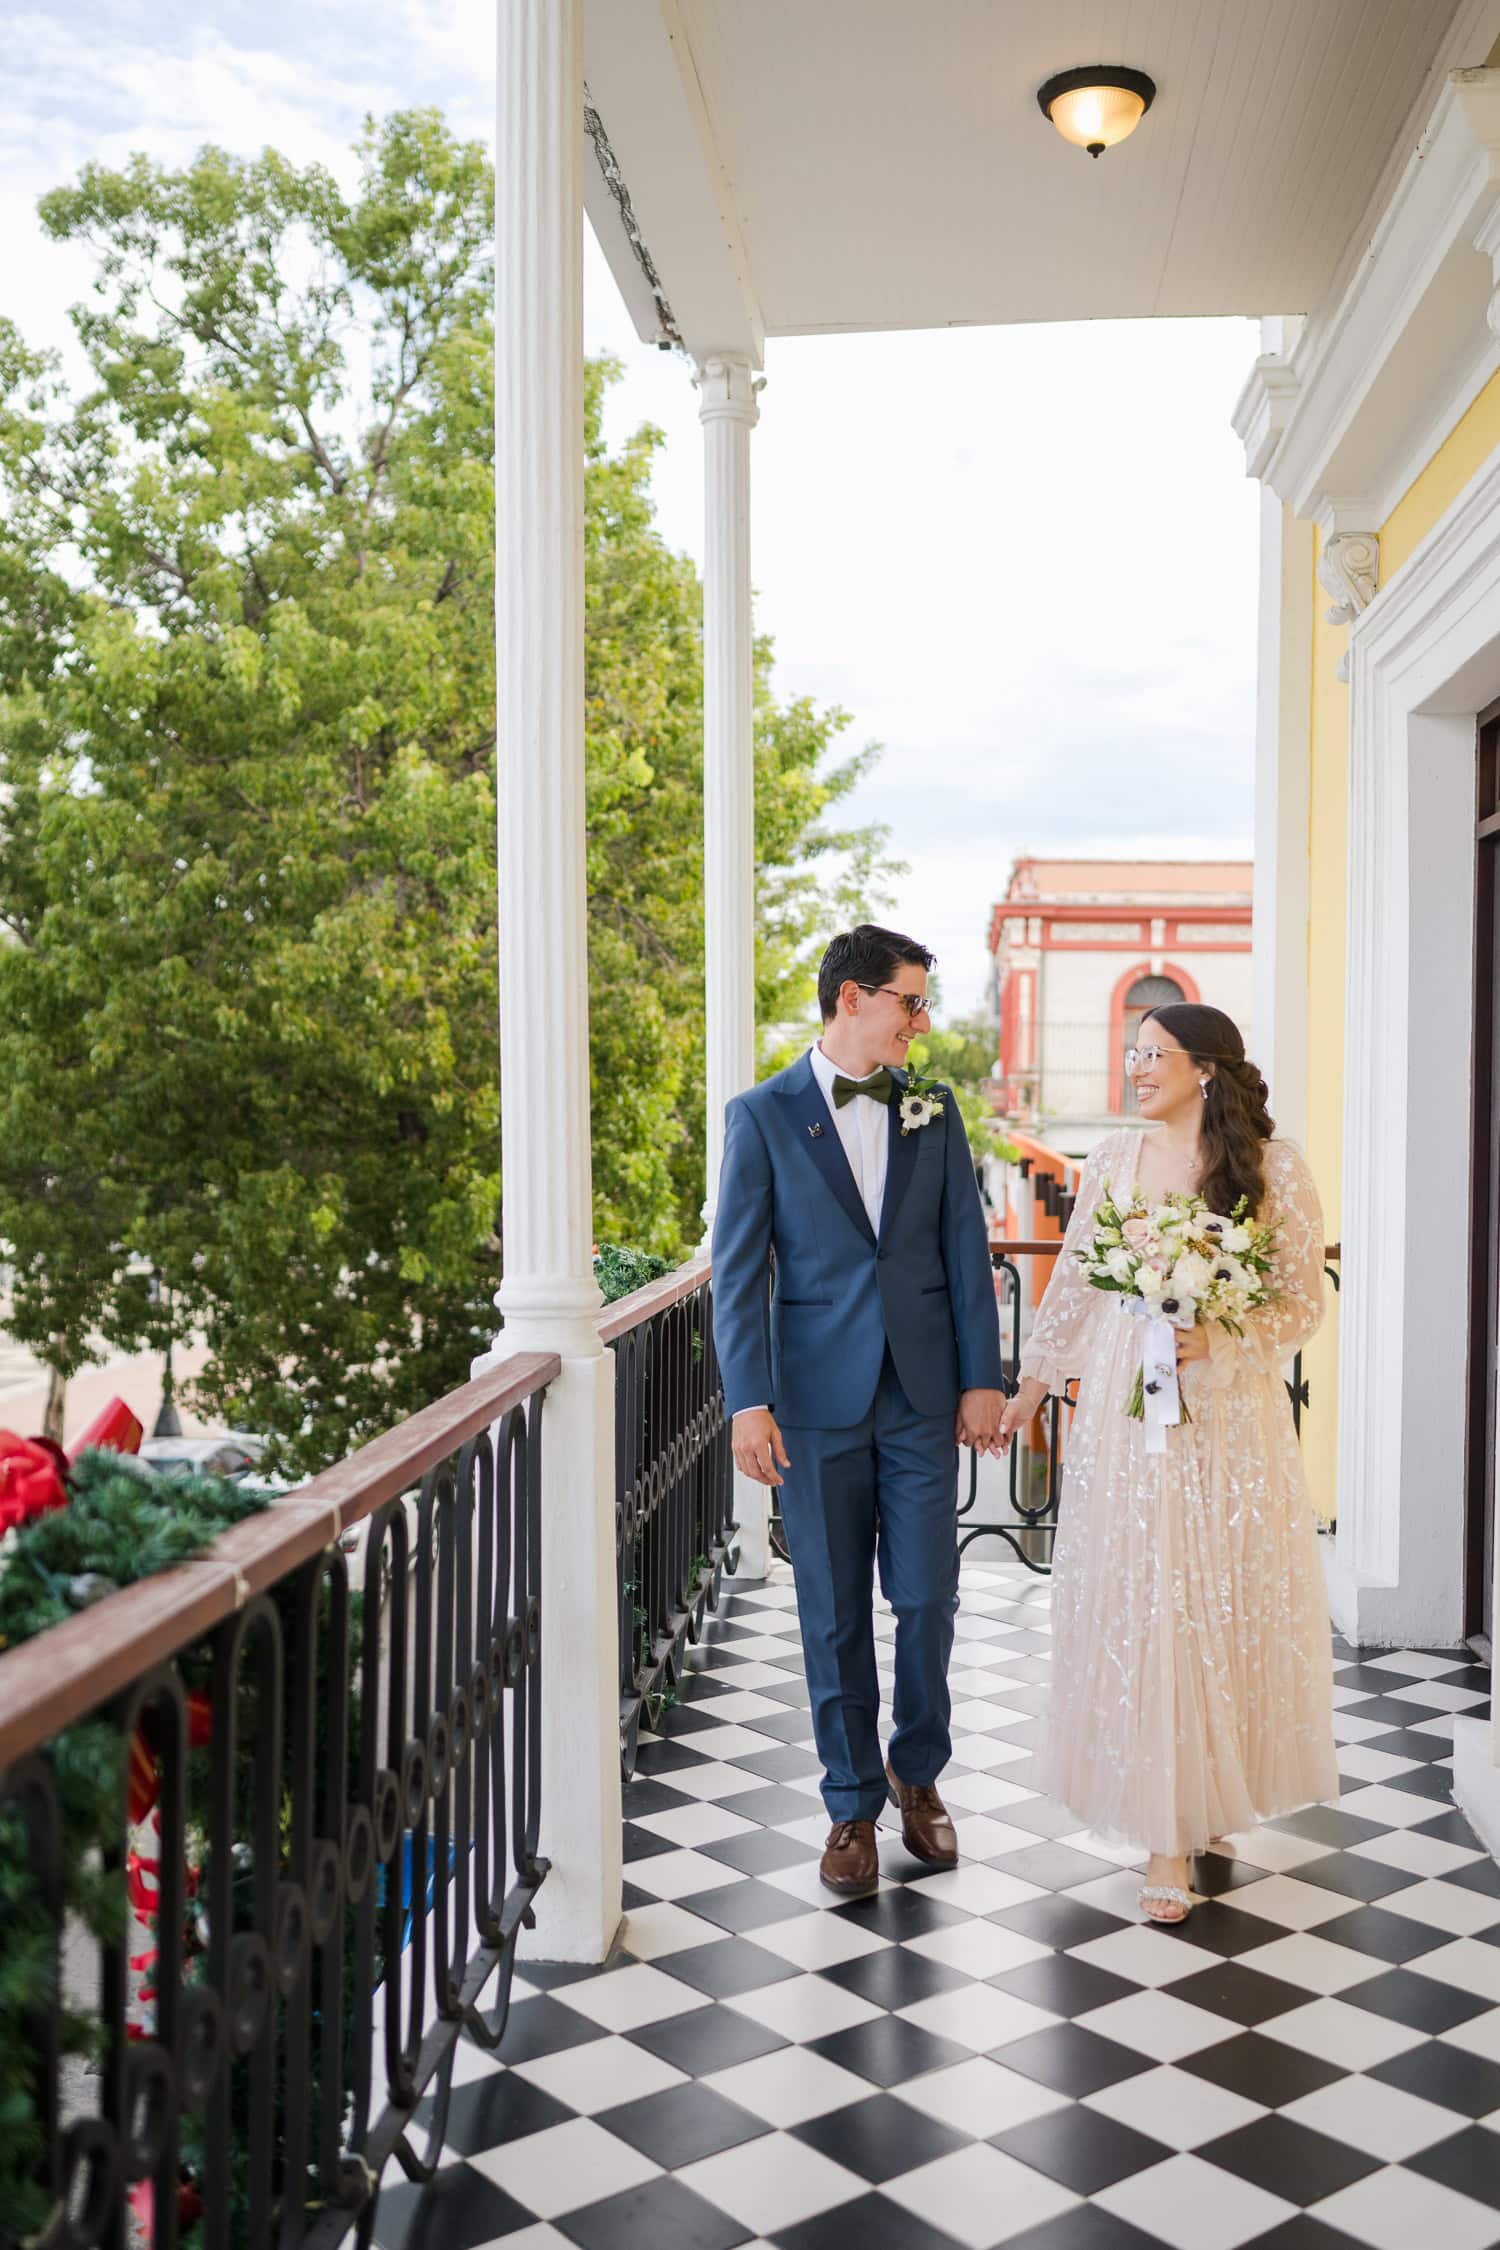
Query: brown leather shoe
851,1864
926,1830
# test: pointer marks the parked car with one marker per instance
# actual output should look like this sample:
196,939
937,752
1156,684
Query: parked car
222,1453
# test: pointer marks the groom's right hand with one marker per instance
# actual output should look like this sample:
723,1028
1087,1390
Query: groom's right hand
757,1445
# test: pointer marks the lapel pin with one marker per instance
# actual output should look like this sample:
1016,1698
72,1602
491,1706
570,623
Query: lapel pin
816,1132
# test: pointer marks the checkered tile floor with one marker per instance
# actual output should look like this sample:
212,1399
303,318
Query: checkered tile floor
1003,2053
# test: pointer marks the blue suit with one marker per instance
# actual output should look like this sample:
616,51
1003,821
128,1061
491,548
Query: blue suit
860,1350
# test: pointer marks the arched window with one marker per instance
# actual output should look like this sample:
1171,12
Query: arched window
1145,994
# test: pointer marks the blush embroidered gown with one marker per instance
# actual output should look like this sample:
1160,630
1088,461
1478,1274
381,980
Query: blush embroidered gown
1191,1664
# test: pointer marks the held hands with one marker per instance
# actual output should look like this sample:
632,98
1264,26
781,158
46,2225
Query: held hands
757,1445
1192,1343
978,1421
1020,1410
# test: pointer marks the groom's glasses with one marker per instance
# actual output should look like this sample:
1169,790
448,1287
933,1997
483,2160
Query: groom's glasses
915,1003
1145,1058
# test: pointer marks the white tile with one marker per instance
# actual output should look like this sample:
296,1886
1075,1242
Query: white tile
1479,2036
1281,1899
1175,2107
740,1676
1273,1849
1195,2206
540,2237
1389,1808
1348,1726
1002,1753
690,1825
627,1998
729,1740
1118,1892
651,1932
813,1832
1445,1906
1155,2024
711,1783
977,2017
1441,1728
1393,2209
564,2167
1101,1847
806,2007
1420,1664
1413,1854
1382,2120
979,2097
769,1648
978,1949
1311,1962
789,2086
600,2075
803,1881
680,1874
1354,2038
981,1793
1143,1955
1373,1765
1468,1964
1439,1695
742,1704
978,1890
471,2063
818,1941
771,2183
965,2194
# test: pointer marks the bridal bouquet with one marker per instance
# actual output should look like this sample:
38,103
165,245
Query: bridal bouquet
1176,1265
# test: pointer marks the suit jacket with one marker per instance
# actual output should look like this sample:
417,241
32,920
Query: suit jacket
811,1348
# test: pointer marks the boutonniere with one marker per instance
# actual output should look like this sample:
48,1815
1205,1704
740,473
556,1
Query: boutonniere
920,1103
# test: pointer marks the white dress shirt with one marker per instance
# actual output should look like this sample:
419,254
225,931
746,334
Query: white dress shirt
864,1130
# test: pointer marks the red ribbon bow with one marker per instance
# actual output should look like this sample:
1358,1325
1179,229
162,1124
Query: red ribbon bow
30,1482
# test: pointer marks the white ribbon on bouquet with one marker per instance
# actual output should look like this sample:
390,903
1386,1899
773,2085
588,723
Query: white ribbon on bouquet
1161,1400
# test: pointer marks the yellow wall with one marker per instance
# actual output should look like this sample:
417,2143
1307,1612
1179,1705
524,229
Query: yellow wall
1413,516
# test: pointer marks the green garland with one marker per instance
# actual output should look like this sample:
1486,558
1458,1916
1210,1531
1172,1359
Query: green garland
620,1271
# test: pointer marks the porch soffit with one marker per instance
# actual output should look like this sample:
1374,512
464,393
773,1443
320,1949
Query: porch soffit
866,164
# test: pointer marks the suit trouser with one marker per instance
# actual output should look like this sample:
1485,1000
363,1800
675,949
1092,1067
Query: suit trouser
887,1488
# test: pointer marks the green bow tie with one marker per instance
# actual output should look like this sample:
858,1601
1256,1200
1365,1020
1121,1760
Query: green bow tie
879,1088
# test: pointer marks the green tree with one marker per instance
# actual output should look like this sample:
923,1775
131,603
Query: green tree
247,729
961,1054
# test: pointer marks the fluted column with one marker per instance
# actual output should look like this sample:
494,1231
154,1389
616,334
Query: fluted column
548,1295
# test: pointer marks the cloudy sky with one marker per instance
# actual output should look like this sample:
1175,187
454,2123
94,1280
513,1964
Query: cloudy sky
1022,559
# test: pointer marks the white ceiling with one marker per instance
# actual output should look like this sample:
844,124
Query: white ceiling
800,166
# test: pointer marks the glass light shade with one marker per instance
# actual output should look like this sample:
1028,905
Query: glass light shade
1097,109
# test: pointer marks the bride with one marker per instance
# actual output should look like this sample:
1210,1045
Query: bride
1191,1666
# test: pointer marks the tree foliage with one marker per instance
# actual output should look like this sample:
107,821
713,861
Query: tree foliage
247,729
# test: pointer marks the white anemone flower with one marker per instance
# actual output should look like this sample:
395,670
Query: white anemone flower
916,1110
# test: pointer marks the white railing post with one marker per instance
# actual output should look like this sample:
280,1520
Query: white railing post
548,1297
727,408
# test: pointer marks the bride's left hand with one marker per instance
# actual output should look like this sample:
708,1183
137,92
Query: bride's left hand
1192,1343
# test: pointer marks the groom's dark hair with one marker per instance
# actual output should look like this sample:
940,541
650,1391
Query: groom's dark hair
868,955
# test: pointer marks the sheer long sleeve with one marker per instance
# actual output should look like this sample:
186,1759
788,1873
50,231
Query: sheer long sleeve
1275,1331
1054,1349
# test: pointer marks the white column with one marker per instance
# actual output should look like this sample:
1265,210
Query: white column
1283,780
728,411
548,1296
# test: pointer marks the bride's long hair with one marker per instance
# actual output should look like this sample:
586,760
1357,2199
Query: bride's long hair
1236,1122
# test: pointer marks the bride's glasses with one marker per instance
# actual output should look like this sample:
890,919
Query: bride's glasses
1146,1058
914,1003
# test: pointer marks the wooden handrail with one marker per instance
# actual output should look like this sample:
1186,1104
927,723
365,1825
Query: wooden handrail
71,1669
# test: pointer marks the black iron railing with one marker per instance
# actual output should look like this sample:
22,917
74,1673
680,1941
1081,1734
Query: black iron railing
319,1843
674,1485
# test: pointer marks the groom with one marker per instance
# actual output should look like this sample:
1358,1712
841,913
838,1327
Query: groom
854,1377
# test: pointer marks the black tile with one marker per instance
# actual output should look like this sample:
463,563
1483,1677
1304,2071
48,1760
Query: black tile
1392,1710
1403,1996
645,1796
1058,1921
775,1806
1038,1814
1031,1697
1221,1930
1406,1742
760,1851
791,1692
1086,2228
1305,2233
879,2138
723,1969
906,1912
1288,2159
706,2040
545,2027
499,2107
658,2215
1245,1996
1370,1678
895,1977
888,2051
640,1843
458,2209
1325,1824
748,1906
555,1976
1423,1781
1263,2070
1445,2075
1215,1873
871,2222
782,1726
1480,1875
788,1762
1071,2059
1385,1937
1055,1866
683,2123
1080,2148
1367,1879
1449,1827
1021,1773
1063,1985
655,1757
1468,2162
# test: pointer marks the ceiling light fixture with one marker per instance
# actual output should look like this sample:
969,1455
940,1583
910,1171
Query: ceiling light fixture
1097,107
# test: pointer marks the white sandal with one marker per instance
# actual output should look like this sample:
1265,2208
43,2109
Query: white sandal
1174,1895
